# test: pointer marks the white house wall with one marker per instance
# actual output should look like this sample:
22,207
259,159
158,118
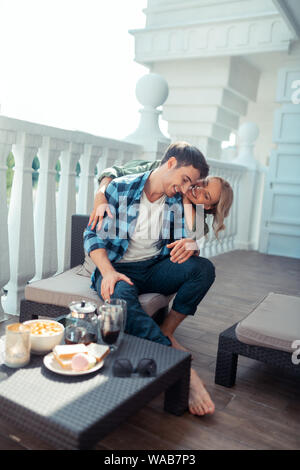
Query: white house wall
262,110
170,12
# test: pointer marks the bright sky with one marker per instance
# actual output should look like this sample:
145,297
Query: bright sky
70,63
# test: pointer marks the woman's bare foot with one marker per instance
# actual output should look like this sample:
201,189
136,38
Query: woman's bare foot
200,402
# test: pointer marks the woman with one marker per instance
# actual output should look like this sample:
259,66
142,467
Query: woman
216,195
213,192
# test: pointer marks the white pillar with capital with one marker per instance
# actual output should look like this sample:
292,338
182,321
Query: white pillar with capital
151,91
7,138
20,221
250,188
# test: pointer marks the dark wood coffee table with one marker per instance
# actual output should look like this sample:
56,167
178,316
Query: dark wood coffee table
76,412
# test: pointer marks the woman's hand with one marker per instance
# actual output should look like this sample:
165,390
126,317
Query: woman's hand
182,250
109,281
101,207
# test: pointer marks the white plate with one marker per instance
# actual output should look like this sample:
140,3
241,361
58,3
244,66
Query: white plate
53,365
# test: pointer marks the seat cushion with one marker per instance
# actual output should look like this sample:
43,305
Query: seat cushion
72,285
273,323
88,267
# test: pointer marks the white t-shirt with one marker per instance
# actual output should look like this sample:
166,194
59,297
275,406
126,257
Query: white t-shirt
142,244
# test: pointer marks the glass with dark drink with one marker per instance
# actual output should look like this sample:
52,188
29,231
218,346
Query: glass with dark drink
111,324
123,304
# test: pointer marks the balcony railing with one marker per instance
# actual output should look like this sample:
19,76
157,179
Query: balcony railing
35,232
35,237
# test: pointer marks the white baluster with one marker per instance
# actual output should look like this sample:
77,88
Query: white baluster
247,135
88,163
237,208
229,222
20,221
128,156
102,163
226,234
66,203
45,229
112,157
120,158
6,140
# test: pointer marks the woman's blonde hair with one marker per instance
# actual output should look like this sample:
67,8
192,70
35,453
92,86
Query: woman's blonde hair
221,209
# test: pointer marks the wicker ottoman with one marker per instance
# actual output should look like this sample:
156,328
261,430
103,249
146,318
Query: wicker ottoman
268,334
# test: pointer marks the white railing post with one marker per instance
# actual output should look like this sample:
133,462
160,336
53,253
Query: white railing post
66,203
246,218
20,221
102,162
6,140
88,162
151,91
45,209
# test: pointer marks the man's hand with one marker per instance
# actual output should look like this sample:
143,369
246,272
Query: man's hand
101,206
182,250
109,281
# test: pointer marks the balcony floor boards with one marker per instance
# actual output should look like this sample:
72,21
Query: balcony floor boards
261,411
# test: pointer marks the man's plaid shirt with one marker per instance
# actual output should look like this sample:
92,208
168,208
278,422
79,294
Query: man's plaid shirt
123,196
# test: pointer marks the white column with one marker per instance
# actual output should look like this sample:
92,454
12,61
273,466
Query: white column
45,228
237,208
88,162
20,221
206,99
66,203
6,140
151,91
248,206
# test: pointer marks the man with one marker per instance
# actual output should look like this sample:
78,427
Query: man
132,251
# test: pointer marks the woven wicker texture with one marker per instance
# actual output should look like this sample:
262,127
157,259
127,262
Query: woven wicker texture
75,412
230,347
79,223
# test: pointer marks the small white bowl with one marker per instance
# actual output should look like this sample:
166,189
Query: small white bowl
44,343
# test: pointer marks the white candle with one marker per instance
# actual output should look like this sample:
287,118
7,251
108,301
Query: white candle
17,345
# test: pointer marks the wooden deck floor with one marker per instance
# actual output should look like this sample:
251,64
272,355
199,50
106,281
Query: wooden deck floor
262,411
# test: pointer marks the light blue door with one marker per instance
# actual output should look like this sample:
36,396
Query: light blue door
280,226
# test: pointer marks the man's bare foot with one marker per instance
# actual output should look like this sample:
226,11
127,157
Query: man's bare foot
200,402
175,344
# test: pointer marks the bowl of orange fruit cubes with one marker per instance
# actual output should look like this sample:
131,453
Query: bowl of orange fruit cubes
44,335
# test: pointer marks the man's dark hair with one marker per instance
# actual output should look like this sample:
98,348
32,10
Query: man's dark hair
186,155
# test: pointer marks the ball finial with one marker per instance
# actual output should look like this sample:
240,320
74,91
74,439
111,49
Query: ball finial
152,90
248,132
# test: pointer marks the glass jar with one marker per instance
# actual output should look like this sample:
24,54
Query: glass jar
17,345
82,323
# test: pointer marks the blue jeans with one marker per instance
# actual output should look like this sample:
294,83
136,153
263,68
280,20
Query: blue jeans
190,281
